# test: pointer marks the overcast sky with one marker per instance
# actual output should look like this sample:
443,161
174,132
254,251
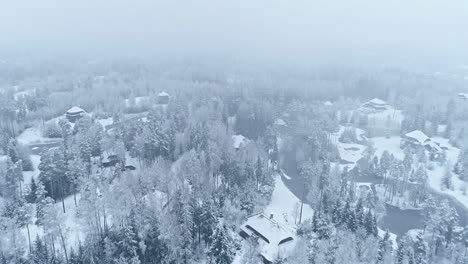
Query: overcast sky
413,30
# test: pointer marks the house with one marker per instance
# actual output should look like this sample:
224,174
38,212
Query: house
110,160
163,98
375,105
74,114
417,139
274,240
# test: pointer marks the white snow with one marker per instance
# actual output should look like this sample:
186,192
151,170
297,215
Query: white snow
163,94
280,122
273,232
418,135
285,206
105,122
239,141
392,145
75,110
32,135
393,238
70,225
377,101
349,152
435,175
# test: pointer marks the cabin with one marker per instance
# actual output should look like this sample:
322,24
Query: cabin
274,240
74,114
163,98
375,105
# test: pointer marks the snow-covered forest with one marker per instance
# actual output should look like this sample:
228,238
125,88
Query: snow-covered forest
219,133
135,162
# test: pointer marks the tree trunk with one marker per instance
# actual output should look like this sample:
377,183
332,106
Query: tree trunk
74,195
302,205
63,202
29,238
63,244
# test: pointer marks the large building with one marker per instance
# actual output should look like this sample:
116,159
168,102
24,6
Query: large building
274,240
74,114
375,105
417,139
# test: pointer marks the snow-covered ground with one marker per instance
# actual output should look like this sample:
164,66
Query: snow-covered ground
28,175
459,191
32,135
239,141
350,153
70,224
105,122
285,206
392,145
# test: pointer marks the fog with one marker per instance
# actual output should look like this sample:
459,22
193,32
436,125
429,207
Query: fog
417,32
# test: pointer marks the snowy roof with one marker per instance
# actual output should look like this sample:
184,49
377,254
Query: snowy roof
377,101
328,103
273,236
463,95
280,122
239,141
418,136
75,110
163,94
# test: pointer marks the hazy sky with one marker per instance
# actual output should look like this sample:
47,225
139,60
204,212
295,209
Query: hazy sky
303,29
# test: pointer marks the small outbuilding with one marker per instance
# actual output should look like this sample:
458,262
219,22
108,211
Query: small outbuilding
163,98
74,114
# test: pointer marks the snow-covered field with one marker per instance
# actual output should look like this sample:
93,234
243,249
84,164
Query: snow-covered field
392,145
32,135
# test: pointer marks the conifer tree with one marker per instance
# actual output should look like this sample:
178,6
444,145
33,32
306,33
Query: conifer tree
222,250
